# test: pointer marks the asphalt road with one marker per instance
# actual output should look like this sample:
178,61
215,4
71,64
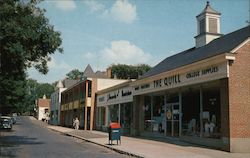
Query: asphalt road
32,139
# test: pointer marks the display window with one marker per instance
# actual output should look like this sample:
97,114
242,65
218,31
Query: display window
126,117
211,113
191,112
114,113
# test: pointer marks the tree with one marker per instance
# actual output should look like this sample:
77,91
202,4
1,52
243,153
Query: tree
74,74
26,39
44,89
34,91
123,71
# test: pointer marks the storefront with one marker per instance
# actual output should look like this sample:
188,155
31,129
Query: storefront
115,105
184,103
199,98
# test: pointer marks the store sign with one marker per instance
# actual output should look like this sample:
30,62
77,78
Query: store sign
194,76
202,72
167,81
126,93
122,95
112,96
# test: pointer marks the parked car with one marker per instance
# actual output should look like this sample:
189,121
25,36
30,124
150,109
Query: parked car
5,122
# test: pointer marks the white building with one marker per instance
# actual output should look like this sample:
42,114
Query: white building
43,109
55,102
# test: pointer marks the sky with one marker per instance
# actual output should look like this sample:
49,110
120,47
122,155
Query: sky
106,32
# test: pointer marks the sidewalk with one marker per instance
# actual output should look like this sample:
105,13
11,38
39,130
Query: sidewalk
138,147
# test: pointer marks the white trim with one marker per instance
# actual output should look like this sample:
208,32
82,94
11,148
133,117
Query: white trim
240,45
193,76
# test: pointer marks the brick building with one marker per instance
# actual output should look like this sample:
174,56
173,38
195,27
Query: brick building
200,95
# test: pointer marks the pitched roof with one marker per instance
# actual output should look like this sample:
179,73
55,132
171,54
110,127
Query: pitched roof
221,45
88,71
68,82
209,9
100,74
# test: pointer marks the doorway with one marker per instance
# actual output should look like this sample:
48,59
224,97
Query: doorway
172,119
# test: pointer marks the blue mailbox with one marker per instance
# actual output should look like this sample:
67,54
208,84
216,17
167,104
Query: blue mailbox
114,133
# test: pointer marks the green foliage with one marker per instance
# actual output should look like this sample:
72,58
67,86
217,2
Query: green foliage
74,74
34,91
44,89
122,71
26,39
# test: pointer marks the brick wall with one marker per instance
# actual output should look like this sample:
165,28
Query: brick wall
239,94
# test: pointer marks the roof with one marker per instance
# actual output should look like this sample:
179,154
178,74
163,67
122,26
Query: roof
68,82
100,74
43,102
221,45
209,9
88,71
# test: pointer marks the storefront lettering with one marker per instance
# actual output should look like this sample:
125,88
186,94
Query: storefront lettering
112,96
172,80
126,93
193,74
157,83
202,72
168,81
210,70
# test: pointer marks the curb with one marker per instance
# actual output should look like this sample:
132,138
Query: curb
109,147
106,146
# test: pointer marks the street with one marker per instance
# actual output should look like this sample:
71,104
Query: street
31,138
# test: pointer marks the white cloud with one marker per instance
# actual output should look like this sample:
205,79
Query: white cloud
123,52
123,11
65,4
93,5
58,65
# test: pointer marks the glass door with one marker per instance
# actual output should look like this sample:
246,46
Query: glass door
172,119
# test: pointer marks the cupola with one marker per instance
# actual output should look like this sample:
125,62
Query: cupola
208,26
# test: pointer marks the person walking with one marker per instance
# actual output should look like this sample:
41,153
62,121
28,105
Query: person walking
77,123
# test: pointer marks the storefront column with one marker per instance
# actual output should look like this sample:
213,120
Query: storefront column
201,113
165,111
119,113
107,116
86,107
180,113
138,115
151,106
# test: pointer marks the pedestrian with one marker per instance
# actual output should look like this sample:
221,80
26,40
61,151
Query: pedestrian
77,123
74,124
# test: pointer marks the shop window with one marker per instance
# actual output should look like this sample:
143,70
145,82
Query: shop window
158,114
126,117
191,112
147,113
211,113
154,114
114,113
100,116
